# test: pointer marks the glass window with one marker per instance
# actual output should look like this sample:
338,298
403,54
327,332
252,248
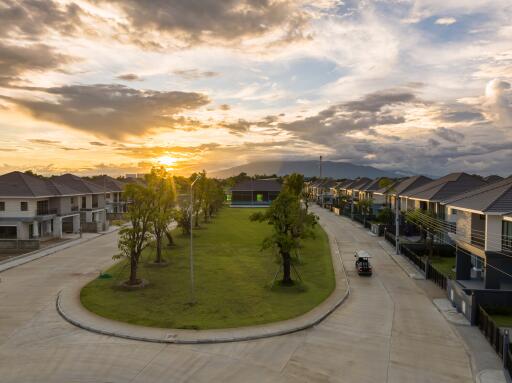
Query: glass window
24,206
507,236
2,206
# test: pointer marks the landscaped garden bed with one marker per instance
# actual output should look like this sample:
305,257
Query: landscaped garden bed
233,278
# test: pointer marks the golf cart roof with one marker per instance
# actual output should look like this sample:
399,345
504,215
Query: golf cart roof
362,254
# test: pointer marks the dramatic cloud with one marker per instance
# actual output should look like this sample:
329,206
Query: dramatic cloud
96,143
198,21
113,110
32,18
371,111
16,61
498,102
449,134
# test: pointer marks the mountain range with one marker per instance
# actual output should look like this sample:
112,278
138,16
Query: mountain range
308,168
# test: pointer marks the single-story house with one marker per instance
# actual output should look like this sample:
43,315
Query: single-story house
255,193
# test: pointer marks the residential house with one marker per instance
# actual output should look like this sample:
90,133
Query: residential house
92,204
114,199
392,193
483,235
429,196
255,193
354,191
35,208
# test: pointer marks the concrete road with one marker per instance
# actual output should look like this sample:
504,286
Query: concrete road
387,331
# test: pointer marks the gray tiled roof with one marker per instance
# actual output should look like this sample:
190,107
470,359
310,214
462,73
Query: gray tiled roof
257,185
111,184
360,183
493,198
409,184
445,187
373,185
18,184
79,184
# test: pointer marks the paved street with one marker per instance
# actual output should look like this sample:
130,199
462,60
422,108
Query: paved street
387,331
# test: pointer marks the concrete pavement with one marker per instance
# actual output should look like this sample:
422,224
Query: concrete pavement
387,331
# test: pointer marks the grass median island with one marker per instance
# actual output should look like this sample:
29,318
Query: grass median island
232,274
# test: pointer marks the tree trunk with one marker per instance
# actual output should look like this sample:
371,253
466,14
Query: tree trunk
197,219
287,277
133,268
158,247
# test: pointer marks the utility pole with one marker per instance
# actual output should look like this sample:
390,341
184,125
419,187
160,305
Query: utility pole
192,293
397,223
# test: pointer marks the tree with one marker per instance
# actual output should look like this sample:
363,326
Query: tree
385,216
161,187
290,225
365,205
294,183
183,217
385,182
134,238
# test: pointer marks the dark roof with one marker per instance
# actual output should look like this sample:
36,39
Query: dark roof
360,183
79,184
18,184
373,185
111,184
346,185
493,198
493,178
445,187
403,185
257,185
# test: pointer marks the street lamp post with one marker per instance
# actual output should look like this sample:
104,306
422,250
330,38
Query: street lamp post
192,295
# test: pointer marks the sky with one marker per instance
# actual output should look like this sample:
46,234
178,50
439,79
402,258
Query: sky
117,86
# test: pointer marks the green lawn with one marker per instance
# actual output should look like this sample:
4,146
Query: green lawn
444,265
233,278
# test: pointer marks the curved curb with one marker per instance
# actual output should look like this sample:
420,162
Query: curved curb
69,307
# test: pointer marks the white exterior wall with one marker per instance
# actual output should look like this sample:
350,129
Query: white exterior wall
13,207
463,223
493,232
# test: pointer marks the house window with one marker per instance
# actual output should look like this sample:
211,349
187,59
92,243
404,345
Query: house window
72,200
24,206
108,195
94,200
454,211
482,217
8,232
507,236
84,202
2,206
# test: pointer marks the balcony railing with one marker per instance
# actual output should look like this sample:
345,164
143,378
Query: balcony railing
477,241
46,211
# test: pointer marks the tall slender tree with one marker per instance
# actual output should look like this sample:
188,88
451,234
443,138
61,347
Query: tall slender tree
135,237
161,186
290,225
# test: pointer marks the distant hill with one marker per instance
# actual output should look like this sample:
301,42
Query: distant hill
308,168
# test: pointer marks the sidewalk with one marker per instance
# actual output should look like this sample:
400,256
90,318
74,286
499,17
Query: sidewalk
32,256
70,308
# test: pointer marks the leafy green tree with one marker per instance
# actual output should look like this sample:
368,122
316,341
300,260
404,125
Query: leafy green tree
385,182
183,217
290,225
161,186
385,216
294,183
135,237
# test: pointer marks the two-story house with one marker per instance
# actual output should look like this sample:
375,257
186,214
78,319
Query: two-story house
93,213
114,199
483,234
37,208
429,196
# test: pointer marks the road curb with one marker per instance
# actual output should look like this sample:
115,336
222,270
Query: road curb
69,307
52,250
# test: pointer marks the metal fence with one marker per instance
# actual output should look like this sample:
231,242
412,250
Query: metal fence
436,276
496,337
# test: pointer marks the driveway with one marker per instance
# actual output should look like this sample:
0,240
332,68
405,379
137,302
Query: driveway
387,331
